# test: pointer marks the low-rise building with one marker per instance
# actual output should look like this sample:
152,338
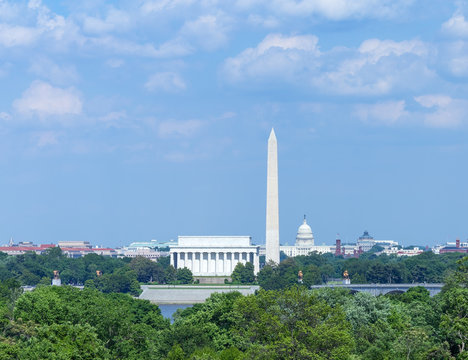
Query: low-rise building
77,252
395,250
74,244
24,248
457,247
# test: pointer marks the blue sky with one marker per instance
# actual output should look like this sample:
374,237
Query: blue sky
130,120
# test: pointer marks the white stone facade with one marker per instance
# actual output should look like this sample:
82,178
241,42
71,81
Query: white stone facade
214,255
292,251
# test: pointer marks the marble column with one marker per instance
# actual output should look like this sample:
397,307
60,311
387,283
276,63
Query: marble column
256,263
199,262
182,260
189,261
217,263
178,261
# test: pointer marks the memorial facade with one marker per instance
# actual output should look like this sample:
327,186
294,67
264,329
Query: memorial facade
214,255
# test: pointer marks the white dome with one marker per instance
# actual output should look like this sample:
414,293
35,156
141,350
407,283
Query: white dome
304,235
304,229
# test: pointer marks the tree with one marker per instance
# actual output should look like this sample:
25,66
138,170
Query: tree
184,276
312,276
123,281
290,324
248,274
176,353
243,274
144,268
64,341
454,320
237,273
127,327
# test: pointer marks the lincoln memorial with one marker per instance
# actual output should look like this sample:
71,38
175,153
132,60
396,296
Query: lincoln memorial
214,255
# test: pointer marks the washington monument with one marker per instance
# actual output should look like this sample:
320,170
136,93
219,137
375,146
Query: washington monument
272,212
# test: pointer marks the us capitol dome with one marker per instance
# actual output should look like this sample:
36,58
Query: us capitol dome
305,243
304,237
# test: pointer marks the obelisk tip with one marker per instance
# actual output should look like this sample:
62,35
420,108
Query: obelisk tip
272,134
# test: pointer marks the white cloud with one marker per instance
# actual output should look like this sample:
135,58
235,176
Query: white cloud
208,31
155,6
456,25
432,110
17,35
179,128
375,49
116,20
177,157
331,9
444,111
266,22
376,67
459,65
276,56
453,56
166,81
5,116
172,48
387,113
8,11
116,119
46,138
59,74
115,63
44,100
429,101
48,26
114,116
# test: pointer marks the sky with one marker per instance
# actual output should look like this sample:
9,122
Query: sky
126,121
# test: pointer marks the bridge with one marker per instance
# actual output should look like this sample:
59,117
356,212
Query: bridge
382,289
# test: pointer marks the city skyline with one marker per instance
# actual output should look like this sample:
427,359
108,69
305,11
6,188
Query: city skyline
137,120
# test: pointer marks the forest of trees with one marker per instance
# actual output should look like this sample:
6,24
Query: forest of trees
125,275
369,268
292,323
118,275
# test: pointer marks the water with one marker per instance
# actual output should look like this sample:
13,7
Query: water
168,310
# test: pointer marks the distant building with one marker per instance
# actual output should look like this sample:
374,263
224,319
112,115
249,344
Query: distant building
304,243
19,250
458,248
77,252
144,252
152,244
152,249
214,255
74,244
367,242
395,250
72,249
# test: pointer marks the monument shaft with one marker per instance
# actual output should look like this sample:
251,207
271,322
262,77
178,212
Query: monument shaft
272,209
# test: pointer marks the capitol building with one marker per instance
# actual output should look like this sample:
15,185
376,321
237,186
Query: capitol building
304,243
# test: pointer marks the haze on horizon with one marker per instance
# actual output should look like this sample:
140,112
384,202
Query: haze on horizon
131,120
